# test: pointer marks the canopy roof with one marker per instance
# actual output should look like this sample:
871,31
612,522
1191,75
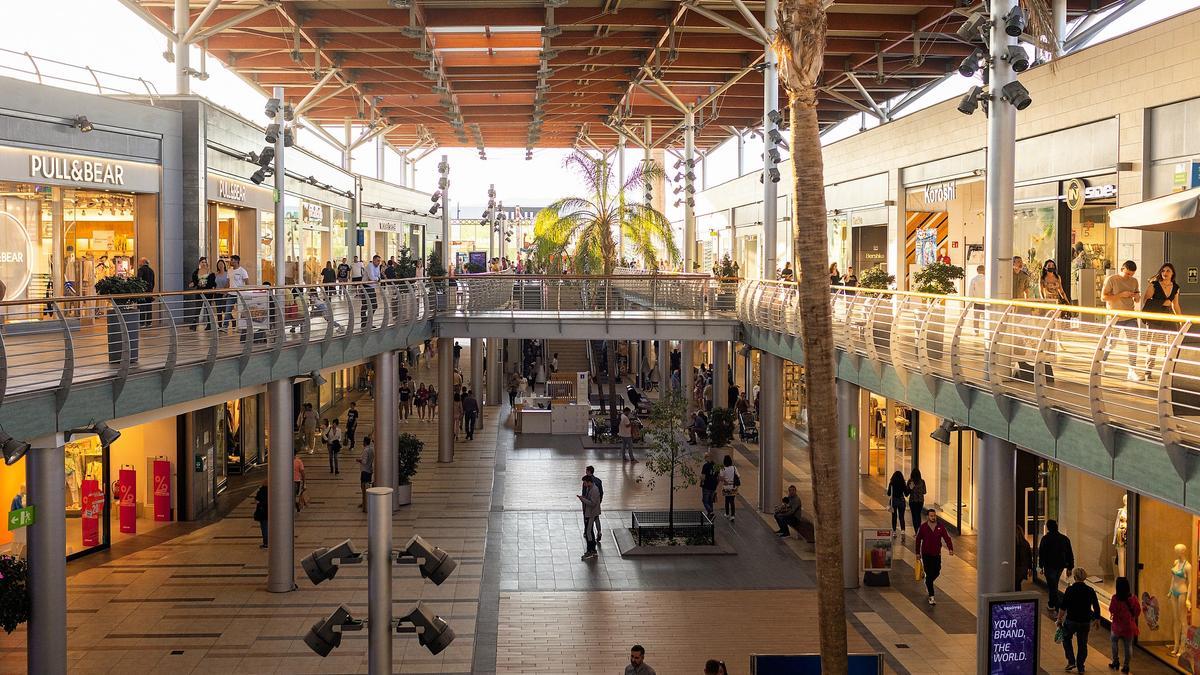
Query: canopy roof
366,60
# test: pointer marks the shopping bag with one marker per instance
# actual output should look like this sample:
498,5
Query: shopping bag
919,570
1058,634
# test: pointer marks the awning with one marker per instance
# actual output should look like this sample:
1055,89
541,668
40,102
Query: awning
1178,212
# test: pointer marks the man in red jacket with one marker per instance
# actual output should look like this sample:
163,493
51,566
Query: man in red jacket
930,536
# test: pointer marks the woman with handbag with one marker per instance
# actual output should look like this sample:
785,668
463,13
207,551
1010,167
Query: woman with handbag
1124,609
1164,299
730,482
897,490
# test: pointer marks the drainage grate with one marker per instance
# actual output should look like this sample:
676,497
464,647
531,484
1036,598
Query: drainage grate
901,645
176,652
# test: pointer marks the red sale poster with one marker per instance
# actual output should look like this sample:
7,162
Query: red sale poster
91,508
162,490
127,499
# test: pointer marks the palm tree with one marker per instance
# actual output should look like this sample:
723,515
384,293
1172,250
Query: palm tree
800,46
581,230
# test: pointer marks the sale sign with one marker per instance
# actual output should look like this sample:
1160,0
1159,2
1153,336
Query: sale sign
127,500
91,509
162,490
1012,629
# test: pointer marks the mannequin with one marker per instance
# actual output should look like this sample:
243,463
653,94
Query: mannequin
1179,597
1120,534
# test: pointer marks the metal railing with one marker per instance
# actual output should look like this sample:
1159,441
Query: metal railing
1136,371
622,292
39,69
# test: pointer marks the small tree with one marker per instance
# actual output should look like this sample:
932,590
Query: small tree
408,455
876,277
725,268
433,266
407,264
668,456
938,277
720,427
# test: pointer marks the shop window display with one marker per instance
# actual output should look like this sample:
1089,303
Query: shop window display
1167,539
1093,513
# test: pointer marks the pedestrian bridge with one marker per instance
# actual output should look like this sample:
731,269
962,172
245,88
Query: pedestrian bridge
1050,380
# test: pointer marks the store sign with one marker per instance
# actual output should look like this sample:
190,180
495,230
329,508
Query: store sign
57,168
941,192
1076,193
231,191
1012,634
18,518
386,226
313,211
876,550
162,490
126,489
75,170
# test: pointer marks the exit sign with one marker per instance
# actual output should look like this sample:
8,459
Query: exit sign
19,518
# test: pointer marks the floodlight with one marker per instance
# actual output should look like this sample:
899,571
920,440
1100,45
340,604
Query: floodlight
677,190
326,634
942,433
288,137
775,137
1015,93
81,123
691,189
692,202
258,177
969,31
272,133
266,156
1018,57
443,183
289,113
433,210
322,564
272,108
400,4
412,32
774,155
775,117
678,163
317,378
555,3
437,194
970,101
433,632
1014,22
13,449
423,55
551,31
443,167
690,176
970,65
678,202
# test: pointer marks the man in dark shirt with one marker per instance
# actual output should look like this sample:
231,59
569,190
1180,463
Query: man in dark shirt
470,409
1079,612
1054,556
710,478
147,276
599,485
351,423
930,536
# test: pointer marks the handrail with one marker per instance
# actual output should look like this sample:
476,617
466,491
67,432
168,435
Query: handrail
1130,370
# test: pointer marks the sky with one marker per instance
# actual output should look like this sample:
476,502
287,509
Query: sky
106,36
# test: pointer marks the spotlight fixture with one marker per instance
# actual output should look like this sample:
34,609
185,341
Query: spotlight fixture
677,190
775,137
272,108
433,210
970,65
289,113
400,4
970,101
433,633
423,55
1014,22
678,202
772,173
13,449
435,196
942,433
81,123
289,138
551,31
775,117
440,89
969,31
678,163
774,155
690,176
1015,93
317,378
272,134
322,564
1018,57
258,177
326,634
266,156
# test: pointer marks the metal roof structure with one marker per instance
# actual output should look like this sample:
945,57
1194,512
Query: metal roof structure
552,73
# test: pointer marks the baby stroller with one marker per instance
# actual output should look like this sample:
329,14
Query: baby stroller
640,403
748,428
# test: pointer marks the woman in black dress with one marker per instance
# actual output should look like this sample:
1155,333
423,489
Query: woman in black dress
1163,299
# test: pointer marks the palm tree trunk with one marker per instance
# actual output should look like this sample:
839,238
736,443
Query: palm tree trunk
812,250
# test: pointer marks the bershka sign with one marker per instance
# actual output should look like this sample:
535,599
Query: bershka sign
941,192
231,191
54,167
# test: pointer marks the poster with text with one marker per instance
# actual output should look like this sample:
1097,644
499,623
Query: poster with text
91,508
877,550
1012,637
162,490
127,500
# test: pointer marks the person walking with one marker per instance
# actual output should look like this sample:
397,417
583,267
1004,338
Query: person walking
1164,299
625,433
1024,560
406,393
222,302
1054,556
710,479
420,400
591,471
514,385
916,497
328,275
590,499
333,439
1123,610
470,408
260,514
1079,613
366,467
146,274
351,424
238,276
637,662
897,491
730,482
195,302
306,426
298,478
929,540
1121,292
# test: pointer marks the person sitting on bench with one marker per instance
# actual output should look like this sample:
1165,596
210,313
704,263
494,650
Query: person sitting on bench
787,514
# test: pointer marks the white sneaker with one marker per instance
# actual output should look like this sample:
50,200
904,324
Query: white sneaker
1134,376
932,601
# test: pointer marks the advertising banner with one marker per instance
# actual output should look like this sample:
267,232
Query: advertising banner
876,550
127,499
478,258
1012,630
91,509
162,490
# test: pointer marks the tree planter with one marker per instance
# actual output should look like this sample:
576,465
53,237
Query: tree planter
133,320
404,495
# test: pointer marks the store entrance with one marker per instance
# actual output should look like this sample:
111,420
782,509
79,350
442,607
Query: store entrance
1183,250
870,247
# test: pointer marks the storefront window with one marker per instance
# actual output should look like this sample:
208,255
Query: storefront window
839,241
227,232
901,421
266,246
795,396
341,221
1034,236
877,441
1093,252
1167,539
1092,512
943,220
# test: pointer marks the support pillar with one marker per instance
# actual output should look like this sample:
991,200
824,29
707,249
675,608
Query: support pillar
770,190
380,151
663,363
1059,12
280,222
281,509
689,210
620,182
687,375
1001,161
495,370
995,485
347,159
477,370
445,387
379,580
848,397
386,405
46,477
183,65
720,375
770,432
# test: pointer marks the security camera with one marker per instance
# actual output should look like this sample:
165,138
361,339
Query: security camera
969,31
970,65
326,634
970,101
272,134
434,563
322,564
1014,22
433,632
1015,93
1017,57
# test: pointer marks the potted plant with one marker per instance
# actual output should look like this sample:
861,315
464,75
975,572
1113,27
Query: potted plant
435,270
937,278
877,277
127,304
14,592
407,265
408,456
720,427
727,283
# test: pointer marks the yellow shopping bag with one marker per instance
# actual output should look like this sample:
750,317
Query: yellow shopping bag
919,570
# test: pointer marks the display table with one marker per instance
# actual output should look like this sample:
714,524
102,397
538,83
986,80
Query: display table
536,415
535,421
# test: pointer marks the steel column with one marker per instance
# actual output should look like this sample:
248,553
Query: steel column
720,376
1001,159
477,370
386,393
280,230
379,580
689,211
663,363
47,541
347,149
621,187
281,560
687,365
380,146
183,83
446,257
770,260
1059,12
848,397
770,432
995,487
445,347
